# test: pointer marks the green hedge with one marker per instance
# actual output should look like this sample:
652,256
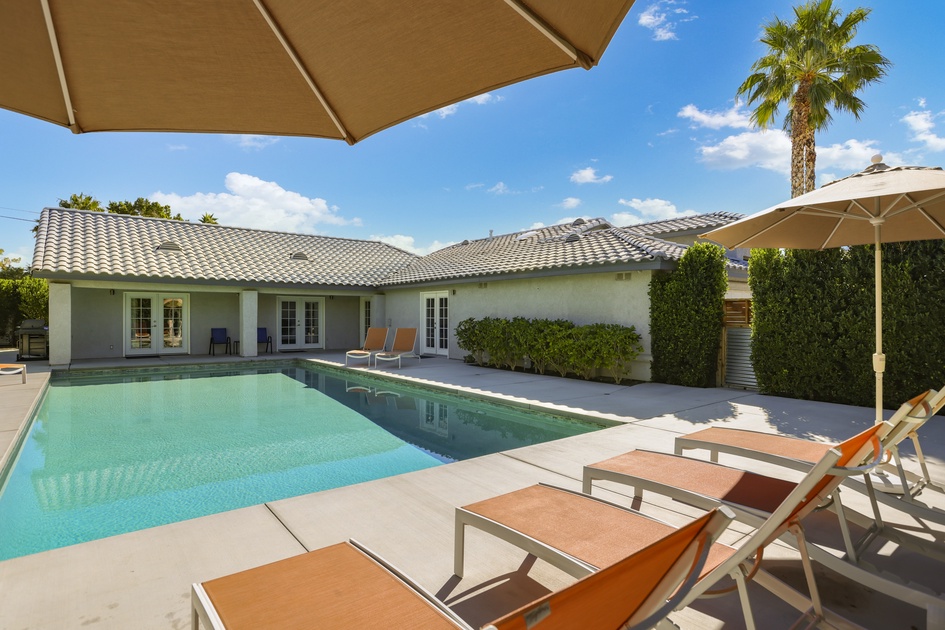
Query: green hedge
557,345
21,298
813,331
687,307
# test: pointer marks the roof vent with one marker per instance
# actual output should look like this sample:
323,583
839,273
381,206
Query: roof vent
169,246
299,256
578,221
572,238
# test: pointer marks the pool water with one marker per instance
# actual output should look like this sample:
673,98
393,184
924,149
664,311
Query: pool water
108,455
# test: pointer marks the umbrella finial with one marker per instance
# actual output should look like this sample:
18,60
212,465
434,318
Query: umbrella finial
877,159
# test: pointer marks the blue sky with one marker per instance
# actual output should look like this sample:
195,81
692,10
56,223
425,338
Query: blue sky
653,132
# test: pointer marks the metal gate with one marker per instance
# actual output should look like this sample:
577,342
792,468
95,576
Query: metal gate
737,370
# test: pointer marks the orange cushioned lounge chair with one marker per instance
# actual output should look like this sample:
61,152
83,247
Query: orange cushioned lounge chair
374,342
577,532
752,497
347,586
405,343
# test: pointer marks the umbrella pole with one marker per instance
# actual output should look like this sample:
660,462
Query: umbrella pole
879,359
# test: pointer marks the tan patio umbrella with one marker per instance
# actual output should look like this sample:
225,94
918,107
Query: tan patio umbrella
329,69
881,204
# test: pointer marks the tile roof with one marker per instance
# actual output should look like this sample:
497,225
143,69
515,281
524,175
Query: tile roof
694,223
567,246
98,244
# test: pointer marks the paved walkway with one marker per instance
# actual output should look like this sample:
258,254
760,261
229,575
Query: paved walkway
142,579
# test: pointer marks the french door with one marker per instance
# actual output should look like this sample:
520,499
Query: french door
156,323
301,323
435,311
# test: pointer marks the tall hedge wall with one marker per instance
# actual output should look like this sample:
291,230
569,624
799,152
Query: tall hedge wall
813,331
687,307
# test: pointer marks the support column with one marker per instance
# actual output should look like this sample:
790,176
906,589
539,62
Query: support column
60,324
249,318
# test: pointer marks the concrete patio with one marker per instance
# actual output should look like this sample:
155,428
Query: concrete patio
142,579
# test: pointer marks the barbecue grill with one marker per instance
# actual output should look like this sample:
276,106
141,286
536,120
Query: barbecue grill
32,340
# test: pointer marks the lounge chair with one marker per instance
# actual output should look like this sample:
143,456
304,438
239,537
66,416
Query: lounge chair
263,336
898,487
347,586
9,369
374,342
801,454
577,532
405,343
752,496
218,337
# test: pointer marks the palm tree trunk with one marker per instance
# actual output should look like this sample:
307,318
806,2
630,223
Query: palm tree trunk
802,143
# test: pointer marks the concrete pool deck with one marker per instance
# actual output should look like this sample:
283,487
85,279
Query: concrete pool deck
142,579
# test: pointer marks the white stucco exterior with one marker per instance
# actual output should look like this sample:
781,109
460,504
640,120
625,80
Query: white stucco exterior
580,298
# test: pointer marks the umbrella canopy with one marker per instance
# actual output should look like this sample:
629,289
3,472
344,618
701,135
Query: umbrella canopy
881,204
336,69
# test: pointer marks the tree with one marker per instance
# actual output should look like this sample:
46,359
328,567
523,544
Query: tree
209,219
81,202
9,268
812,67
142,207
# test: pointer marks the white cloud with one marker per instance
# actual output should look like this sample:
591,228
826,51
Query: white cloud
648,210
255,203
482,99
500,189
770,150
177,147
250,141
474,186
409,244
852,156
662,17
569,203
589,176
921,124
734,117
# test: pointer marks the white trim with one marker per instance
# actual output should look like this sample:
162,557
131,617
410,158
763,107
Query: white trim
437,323
156,331
299,332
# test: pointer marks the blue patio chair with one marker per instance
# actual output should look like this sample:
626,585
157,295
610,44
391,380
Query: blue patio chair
219,337
263,336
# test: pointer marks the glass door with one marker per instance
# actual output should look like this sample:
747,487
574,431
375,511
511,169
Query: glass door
301,322
139,338
436,322
156,323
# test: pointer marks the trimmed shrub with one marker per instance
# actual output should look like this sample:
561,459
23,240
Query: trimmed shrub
687,307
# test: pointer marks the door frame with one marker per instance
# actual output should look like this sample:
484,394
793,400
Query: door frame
300,301
441,341
157,323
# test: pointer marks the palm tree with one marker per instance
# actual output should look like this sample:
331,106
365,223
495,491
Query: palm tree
208,218
811,66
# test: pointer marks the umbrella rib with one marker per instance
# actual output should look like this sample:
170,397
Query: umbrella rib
545,29
57,55
302,70
760,232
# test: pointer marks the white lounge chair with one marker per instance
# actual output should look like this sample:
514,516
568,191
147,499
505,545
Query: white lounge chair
9,369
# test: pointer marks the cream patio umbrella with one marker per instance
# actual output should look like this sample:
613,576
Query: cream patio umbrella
881,204
330,69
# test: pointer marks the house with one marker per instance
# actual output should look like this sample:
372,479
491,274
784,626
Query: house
123,286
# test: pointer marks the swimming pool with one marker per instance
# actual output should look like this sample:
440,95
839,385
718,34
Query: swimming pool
113,453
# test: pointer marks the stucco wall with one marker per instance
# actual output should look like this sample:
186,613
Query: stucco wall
582,299
96,323
341,323
213,310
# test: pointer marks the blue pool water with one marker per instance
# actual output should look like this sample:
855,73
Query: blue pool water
107,455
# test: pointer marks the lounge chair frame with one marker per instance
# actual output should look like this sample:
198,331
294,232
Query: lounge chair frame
679,558
739,565
10,369
400,348
904,424
374,342
933,604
